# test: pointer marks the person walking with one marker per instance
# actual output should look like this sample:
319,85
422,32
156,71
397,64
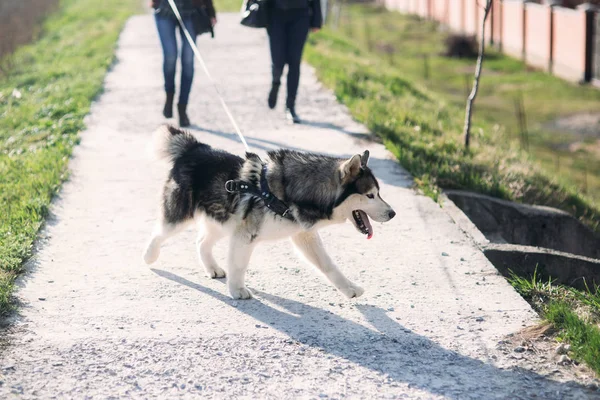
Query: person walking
167,24
288,27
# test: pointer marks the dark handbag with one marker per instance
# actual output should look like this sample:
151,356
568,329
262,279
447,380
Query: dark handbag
255,13
202,23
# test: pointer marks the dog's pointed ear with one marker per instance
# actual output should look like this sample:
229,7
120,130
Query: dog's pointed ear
350,168
364,159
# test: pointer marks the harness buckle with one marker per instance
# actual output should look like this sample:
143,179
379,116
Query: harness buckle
230,186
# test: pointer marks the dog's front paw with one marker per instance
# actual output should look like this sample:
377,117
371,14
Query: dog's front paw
352,290
242,293
151,254
215,272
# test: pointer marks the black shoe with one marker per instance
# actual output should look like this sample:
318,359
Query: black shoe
168,110
183,118
291,115
273,95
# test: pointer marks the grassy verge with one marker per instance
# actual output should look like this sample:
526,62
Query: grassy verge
43,100
388,70
575,314
373,61
227,5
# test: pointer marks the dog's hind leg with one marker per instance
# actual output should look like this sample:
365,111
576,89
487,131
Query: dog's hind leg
240,250
310,246
162,232
207,238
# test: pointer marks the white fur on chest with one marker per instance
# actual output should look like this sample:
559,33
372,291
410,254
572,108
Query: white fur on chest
277,229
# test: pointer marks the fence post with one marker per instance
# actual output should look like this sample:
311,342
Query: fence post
492,23
596,55
501,28
447,13
524,41
590,11
430,10
551,54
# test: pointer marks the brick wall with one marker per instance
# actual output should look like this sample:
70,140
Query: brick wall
496,23
538,40
472,17
423,9
405,5
456,15
551,38
569,43
512,28
440,11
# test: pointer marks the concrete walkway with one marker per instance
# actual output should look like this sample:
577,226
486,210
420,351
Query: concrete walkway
96,322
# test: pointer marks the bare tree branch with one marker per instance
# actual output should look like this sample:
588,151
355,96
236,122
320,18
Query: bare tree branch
471,99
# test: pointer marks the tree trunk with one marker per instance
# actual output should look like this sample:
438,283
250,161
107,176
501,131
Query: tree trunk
471,98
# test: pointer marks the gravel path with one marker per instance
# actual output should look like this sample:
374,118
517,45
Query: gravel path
96,322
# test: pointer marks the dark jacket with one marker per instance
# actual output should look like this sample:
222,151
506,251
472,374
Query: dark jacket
313,7
185,7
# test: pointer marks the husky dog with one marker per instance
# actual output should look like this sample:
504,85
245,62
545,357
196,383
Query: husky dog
291,194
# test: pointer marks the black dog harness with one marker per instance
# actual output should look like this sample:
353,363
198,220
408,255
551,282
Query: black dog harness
270,200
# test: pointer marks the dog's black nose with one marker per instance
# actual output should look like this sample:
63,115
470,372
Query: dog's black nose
392,214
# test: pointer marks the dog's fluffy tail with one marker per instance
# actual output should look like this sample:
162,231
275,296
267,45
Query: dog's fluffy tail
169,143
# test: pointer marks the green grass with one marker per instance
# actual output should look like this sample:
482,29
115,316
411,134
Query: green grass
421,119
574,313
58,76
373,60
534,288
583,336
228,5
590,297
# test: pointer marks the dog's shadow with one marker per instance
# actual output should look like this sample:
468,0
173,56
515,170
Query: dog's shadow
388,348
386,170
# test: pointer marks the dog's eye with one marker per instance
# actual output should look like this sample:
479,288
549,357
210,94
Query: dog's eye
371,196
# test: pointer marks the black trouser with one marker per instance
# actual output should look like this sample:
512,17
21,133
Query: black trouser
287,34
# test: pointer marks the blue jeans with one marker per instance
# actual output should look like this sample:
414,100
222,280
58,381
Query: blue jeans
166,31
287,34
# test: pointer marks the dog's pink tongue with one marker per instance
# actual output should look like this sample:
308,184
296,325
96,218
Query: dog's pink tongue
368,225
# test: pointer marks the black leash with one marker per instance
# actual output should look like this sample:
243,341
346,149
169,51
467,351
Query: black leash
270,200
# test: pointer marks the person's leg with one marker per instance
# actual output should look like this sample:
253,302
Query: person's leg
166,32
276,31
187,61
297,31
187,71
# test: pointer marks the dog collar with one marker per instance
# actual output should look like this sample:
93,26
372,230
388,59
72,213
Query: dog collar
268,198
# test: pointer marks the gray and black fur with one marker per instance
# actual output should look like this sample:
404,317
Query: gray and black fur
318,190
308,183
